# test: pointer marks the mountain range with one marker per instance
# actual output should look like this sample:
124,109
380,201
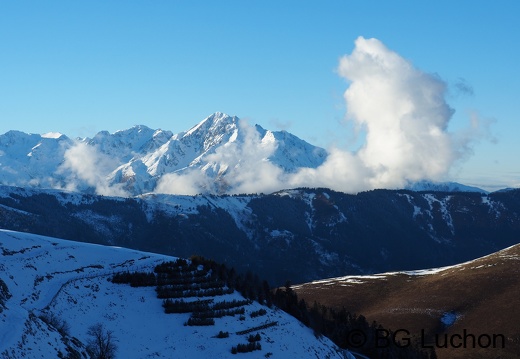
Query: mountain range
221,154
131,162
299,235
121,190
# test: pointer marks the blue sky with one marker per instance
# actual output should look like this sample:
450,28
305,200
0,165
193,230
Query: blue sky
81,67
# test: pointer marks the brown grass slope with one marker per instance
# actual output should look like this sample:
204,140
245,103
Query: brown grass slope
483,294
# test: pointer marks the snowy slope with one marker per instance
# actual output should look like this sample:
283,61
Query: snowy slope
31,160
442,187
132,161
68,280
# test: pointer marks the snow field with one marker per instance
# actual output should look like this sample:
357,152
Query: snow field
70,281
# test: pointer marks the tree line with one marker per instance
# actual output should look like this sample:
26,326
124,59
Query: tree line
332,323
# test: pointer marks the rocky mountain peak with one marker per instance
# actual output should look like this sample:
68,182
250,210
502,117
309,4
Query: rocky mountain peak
135,160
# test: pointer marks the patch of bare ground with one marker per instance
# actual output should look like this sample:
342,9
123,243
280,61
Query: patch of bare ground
466,311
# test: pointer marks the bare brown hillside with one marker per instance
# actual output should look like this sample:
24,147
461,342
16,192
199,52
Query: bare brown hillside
478,302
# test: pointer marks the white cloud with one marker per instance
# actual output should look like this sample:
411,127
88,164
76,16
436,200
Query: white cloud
402,111
85,165
190,182
342,171
246,163
240,166
404,116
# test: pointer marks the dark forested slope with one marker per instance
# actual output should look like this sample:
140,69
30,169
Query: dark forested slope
301,234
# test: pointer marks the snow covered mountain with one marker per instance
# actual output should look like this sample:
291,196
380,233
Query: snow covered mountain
423,186
30,159
52,291
131,162
221,154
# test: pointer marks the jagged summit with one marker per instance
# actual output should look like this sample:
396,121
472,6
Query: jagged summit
216,122
132,161
52,135
220,154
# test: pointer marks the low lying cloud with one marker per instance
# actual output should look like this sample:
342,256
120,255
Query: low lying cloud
240,166
189,182
84,166
401,109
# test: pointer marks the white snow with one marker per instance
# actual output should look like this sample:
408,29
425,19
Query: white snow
493,206
137,158
69,280
443,203
182,205
309,215
416,209
52,135
429,186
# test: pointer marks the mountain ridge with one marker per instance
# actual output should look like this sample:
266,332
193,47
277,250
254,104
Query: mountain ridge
424,185
477,297
131,162
57,289
220,154
300,234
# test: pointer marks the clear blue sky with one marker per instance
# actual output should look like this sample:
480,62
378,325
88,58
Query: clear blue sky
81,67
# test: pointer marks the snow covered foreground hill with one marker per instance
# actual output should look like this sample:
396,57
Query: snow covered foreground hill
68,281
